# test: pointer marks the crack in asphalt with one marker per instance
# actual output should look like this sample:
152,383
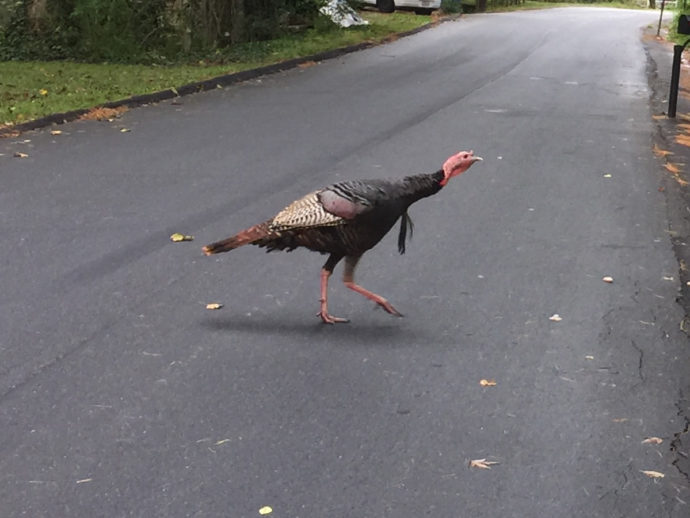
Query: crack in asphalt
677,444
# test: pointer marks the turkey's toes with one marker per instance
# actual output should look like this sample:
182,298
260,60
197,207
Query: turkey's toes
330,319
389,308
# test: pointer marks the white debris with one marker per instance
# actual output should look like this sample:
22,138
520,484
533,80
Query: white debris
342,14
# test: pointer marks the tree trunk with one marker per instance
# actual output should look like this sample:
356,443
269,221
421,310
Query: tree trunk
237,21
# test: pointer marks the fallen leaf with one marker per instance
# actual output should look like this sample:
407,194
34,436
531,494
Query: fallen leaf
589,357
177,237
555,317
43,92
653,440
482,463
608,279
652,474
672,168
125,130
661,152
56,132
214,305
84,480
307,64
222,441
20,155
265,510
667,278
487,383
101,113
607,175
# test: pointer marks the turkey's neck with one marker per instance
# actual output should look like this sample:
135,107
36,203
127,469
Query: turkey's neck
420,186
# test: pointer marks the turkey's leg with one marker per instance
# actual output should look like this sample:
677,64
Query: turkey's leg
326,272
349,280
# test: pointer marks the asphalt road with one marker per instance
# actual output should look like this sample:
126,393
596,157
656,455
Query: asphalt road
121,395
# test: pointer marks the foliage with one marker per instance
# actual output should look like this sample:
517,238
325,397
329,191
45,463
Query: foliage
132,31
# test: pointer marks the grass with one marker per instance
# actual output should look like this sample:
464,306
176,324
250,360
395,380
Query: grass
29,90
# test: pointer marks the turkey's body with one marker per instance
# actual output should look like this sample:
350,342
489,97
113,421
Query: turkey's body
345,220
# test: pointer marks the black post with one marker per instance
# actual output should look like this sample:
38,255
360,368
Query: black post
675,79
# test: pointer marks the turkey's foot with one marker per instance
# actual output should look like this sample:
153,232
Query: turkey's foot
387,306
330,319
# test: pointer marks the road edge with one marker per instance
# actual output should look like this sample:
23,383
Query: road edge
216,82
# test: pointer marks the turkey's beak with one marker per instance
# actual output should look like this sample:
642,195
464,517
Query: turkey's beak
477,159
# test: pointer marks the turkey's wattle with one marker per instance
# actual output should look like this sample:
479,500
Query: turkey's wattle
345,220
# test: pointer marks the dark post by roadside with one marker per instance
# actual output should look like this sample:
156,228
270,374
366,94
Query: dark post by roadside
683,28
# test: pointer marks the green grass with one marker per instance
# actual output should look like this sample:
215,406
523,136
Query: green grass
29,90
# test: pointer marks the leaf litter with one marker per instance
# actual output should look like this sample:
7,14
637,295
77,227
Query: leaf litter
482,463
177,237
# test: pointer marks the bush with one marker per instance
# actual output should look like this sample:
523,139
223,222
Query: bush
141,30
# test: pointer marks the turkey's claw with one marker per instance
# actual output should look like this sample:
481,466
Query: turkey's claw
388,308
330,319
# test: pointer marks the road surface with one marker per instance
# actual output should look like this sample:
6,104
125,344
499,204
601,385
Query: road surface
121,395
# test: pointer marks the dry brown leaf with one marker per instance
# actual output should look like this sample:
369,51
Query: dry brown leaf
672,168
487,383
101,113
20,155
56,132
658,117
177,237
683,140
555,317
482,463
652,474
214,305
653,440
307,64
661,152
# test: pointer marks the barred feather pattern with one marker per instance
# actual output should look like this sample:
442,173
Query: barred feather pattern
306,212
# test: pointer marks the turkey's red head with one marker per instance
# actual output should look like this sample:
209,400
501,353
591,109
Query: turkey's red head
458,163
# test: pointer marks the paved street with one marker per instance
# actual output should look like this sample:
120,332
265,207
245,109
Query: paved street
122,396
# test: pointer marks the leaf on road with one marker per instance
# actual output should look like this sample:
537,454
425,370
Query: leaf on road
56,132
482,463
101,113
555,317
265,510
608,279
672,168
177,237
653,440
589,357
652,474
222,441
607,175
125,130
214,305
307,64
20,155
661,152
487,383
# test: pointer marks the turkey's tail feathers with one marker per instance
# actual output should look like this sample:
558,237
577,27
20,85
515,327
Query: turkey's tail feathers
246,237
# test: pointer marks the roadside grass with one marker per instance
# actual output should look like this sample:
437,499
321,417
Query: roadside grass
29,90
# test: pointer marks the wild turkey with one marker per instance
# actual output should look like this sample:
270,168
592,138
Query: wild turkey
345,220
